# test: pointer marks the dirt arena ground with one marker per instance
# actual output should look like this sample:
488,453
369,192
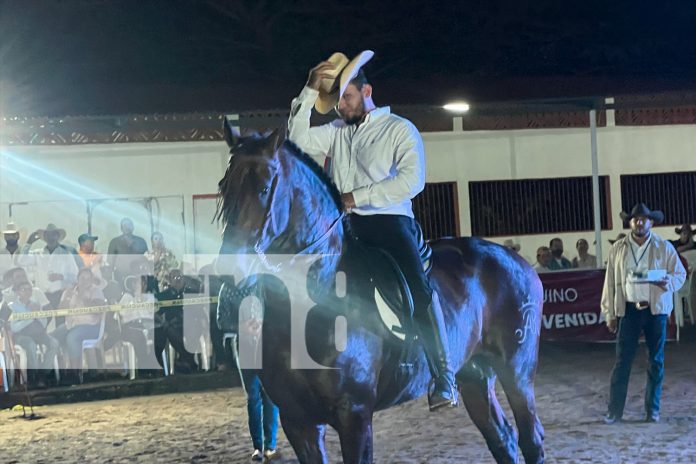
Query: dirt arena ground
210,427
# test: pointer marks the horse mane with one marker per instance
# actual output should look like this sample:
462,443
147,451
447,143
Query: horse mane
318,171
290,148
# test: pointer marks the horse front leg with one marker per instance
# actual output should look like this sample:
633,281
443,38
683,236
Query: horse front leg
306,439
355,433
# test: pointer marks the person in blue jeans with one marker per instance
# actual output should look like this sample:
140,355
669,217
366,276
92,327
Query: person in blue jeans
263,414
263,417
643,272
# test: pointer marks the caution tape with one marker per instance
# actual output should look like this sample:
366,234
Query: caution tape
112,308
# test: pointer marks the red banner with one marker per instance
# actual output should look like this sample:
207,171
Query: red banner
572,307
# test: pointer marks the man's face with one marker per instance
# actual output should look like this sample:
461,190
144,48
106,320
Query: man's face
12,239
87,246
351,107
51,237
582,246
24,292
19,276
544,256
85,279
177,280
685,236
557,248
640,226
127,226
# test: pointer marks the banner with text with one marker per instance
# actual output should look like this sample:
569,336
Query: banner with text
572,307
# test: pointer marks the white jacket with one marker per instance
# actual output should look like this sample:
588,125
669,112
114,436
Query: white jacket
662,255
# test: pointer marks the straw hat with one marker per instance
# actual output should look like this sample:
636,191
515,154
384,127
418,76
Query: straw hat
331,89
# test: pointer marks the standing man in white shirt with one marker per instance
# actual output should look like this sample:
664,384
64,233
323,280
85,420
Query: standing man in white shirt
378,164
55,268
635,302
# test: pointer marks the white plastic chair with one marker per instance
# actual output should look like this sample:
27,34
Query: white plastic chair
96,345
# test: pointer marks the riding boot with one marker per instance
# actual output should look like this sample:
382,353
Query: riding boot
434,337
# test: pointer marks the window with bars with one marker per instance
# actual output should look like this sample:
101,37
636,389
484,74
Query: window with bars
437,210
671,192
536,206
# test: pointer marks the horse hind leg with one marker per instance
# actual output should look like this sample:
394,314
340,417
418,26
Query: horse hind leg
476,382
355,434
306,439
518,384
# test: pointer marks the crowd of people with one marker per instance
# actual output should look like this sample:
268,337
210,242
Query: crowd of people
551,258
44,274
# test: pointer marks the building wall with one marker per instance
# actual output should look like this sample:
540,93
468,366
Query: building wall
54,182
538,153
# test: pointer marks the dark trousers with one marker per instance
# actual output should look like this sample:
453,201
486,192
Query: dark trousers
171,328
630,327
398,236
136,333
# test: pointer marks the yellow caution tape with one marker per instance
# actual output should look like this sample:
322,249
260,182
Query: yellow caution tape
112,308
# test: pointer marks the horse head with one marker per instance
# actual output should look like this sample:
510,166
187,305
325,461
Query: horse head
254,196
275,199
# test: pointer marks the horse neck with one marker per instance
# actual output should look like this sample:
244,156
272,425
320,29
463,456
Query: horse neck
313,213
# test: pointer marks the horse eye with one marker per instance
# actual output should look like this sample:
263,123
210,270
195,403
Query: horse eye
265,191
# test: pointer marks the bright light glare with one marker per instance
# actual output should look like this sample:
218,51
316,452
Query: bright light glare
457,107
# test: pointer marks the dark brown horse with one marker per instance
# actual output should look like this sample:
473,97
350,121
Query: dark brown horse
275,200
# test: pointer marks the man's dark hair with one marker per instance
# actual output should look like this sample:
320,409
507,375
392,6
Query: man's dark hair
554,240
359,80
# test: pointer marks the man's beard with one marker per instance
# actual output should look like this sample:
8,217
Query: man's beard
355,119
557,253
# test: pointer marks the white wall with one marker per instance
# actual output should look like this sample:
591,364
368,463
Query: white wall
55,181
538,153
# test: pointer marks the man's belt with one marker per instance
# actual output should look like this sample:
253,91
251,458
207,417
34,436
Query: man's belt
640,305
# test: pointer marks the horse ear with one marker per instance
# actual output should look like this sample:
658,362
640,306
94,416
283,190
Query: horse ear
277,137
230,132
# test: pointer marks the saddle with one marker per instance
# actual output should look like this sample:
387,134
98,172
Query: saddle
392,293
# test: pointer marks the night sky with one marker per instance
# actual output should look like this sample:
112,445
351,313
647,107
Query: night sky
90,57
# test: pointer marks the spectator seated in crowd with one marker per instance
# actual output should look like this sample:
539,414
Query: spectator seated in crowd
543,257
169,321
685,242
584,260
558,261
31,334
137,326
80,327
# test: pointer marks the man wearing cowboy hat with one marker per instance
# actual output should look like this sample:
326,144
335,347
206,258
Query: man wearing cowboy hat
643,272
378,164
55,267
685,242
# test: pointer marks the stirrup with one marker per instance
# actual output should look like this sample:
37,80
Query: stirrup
437,400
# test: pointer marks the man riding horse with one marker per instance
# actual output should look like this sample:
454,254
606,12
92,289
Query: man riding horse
377,162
